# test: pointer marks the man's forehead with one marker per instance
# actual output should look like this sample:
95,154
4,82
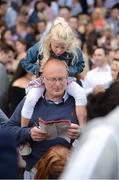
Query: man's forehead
99,51
55,64
52,74
55,71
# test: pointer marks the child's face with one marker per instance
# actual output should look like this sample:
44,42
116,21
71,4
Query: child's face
58,47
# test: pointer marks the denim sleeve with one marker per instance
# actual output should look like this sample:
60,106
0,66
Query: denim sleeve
78,66
14,126
29,62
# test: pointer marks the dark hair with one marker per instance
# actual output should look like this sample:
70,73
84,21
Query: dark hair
22,41
118,76
100,47
20,72
42,21
115,6
6,48
2,2
102,103
11,103
39,1
3,33
65,7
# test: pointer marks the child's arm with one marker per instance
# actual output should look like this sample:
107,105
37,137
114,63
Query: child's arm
34,92
76,91
29,62
78,67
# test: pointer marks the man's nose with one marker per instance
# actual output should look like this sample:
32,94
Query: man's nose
57,82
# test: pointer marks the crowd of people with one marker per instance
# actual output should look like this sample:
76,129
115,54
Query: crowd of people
61,56
94,22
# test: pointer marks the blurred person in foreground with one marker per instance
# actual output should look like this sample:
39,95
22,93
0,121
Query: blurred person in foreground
97,154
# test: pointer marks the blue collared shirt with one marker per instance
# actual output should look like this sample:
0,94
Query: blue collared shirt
62,100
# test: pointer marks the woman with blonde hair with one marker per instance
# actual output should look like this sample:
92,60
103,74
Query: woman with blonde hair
115,70
60,43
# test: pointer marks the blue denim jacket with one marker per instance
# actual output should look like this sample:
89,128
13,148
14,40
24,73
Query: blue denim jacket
33,55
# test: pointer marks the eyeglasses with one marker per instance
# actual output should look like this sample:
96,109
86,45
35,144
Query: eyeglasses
54,80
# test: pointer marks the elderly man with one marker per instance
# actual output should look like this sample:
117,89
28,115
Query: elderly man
55,104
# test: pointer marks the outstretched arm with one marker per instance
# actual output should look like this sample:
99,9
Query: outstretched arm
29,62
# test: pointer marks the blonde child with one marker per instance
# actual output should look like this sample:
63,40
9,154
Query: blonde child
60,42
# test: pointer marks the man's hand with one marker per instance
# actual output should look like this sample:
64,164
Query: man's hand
98,88
37,134
74,131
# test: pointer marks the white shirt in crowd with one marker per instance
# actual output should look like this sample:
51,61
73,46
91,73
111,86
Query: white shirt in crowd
97,76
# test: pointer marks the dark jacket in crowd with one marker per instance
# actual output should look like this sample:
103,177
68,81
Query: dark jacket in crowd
8,156
3,117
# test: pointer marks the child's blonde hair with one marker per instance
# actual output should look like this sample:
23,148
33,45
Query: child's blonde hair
62,32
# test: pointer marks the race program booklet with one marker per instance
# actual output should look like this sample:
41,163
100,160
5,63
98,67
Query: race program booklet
55,128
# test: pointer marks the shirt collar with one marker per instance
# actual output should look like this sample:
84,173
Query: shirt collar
62,100
106,67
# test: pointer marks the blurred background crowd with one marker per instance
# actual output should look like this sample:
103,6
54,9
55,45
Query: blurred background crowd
25,22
